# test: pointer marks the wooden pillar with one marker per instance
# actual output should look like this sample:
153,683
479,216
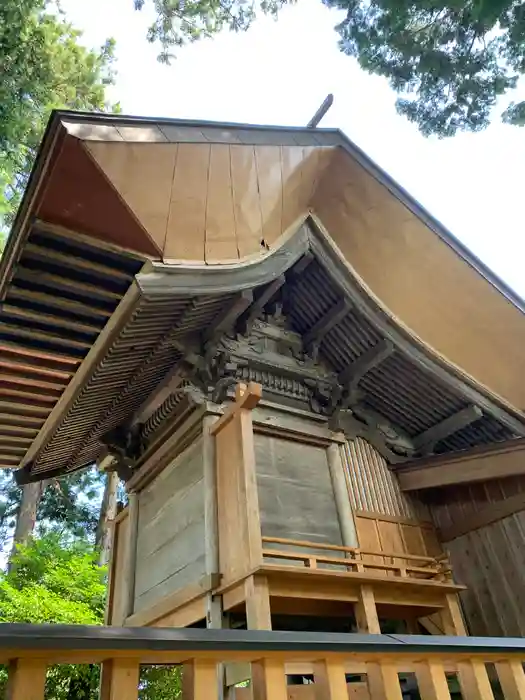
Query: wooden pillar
119,679
474,680
131,557
452,618
210,496
432,681
199,680
366,611
341,495
239,527
258,615
269,680
26,679
383,681
330,680
512,679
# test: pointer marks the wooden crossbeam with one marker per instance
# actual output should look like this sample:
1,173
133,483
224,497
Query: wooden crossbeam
355,372
314,337
228,317
479,464
264,298
427,440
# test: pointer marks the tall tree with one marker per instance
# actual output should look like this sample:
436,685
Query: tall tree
69,506
43,66
449,60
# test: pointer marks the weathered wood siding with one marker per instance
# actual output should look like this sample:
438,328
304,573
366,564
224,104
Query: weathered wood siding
386,519
171,539
489,560
296,498
373,487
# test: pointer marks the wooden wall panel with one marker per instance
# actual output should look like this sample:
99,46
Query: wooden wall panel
421,280
142,174
394,534
489,558
213,202
171,540
296,498
373,487
491,563
452,505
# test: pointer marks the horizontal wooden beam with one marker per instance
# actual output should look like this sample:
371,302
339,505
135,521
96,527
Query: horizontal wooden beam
486,516
480,464
427,440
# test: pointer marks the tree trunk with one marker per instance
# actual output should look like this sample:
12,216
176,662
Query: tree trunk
108,511
26,517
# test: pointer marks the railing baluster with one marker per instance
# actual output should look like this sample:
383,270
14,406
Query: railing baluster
330,682
474,680
383,681
432,681
119,679
269,680
200,680
512,679
26,679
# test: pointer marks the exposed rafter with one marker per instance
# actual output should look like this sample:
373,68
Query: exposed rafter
425,442
350,377
313,339
262,300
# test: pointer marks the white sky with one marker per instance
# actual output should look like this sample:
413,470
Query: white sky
279,73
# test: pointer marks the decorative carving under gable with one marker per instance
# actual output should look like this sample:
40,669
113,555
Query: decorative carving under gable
273,356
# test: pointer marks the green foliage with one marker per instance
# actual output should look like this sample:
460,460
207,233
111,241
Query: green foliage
56,582
44,67
181,22
69,505
53,580
449,60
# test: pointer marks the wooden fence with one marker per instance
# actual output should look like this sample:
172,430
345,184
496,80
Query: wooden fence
480,665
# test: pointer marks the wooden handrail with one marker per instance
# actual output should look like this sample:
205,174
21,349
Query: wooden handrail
29,649
306,558
352,550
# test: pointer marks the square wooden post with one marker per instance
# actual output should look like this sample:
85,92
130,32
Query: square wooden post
258,615
269,680
26,679
199,680
366,611
119,679
474,680
452,618
330,680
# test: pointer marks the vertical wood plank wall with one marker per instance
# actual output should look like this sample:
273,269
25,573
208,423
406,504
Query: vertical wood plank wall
489,560
171,538
386,518
213,201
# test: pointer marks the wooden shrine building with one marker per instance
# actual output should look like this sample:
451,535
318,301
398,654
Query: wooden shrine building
314,394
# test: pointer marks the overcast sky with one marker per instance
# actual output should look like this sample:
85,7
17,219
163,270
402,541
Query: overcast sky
279,73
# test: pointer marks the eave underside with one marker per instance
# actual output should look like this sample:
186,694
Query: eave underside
170,325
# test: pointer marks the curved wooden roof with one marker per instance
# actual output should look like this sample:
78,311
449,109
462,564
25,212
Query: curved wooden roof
113,196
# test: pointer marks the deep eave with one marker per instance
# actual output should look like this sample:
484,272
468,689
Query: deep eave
131,248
